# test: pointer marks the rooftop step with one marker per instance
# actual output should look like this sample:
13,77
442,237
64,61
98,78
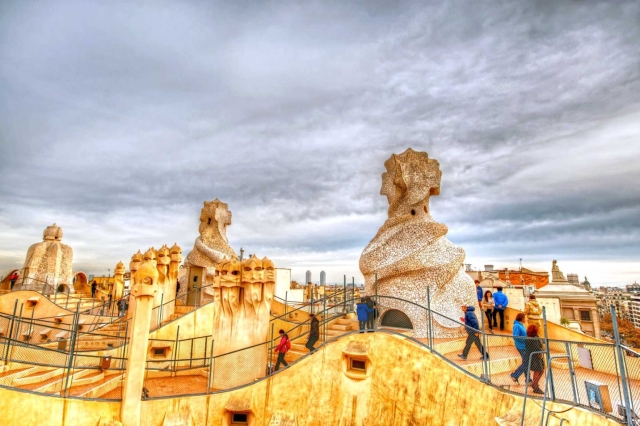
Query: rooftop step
57,385
99,388
7,377
37,377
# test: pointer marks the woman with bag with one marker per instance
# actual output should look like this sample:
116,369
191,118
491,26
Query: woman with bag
487,307
533,344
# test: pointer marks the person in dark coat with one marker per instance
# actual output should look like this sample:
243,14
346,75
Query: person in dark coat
533,344
94,286
370,315
314,333
363,312
473,330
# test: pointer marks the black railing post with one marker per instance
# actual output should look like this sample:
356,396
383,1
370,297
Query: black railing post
271,352
13,318
210,378
485,360
311,286
623,367
376,308
344,295
429,319
548,352
177,349
74,335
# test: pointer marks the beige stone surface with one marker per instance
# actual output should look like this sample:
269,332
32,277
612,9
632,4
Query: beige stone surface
144,292
410,252
407,385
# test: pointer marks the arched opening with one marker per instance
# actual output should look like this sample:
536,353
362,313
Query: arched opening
396,319
81,283
63,288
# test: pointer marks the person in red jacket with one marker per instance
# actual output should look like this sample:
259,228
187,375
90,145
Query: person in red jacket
13,277
282,349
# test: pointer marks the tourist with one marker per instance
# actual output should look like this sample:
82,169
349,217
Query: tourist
109,303
314,333
533,344
519,339
363,312
501,301
94,287
533,310
282,349
472,326
487,307
177,287
370,315
120,303
13,277
479,293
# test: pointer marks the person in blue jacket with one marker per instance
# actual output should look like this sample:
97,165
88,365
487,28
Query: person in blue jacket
479,293
473,330
501,301
519,339
363,314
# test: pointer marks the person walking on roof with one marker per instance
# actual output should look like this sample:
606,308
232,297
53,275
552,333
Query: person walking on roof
479,293
533,310
473,330
314,333
282,348
370,315
501,301
363,312
13,277
519,339
94,287
487,307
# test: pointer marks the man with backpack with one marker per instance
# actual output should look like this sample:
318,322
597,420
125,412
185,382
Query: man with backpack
282,348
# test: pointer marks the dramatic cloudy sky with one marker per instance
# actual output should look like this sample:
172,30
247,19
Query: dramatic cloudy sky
117,120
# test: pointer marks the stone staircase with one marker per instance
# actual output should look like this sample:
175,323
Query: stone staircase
335,328
89,383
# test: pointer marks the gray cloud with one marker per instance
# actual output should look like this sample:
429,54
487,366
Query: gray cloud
118,120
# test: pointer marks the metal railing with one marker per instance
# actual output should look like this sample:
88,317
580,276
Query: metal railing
573,372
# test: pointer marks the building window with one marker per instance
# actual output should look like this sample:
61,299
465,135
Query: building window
585,315
239,418
357,364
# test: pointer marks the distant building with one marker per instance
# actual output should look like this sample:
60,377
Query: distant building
323,278
634,309
578,305
573,279
308,277
632,288
614,296
520,277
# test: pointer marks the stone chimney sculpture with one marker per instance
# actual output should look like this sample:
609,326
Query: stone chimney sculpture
48,262
410,252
